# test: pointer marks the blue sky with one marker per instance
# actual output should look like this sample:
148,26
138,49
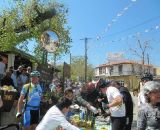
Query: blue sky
90,18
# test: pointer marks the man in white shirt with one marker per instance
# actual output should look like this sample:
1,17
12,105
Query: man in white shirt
116,105
55,117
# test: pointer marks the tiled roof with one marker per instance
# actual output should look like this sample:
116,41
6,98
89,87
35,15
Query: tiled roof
121,62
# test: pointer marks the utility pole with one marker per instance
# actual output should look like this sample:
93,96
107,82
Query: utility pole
70,63
148,58
148,62
85,67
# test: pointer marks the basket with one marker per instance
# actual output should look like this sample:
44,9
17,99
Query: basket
8,98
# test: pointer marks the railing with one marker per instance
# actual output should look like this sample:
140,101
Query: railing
120,73
124,73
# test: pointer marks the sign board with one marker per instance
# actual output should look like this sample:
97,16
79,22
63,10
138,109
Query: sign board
46,73
66,70
115,56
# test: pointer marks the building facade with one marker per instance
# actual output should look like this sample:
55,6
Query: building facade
127,72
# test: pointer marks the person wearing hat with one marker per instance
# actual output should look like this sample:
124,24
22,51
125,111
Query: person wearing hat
31,93
144,79
149,113
115,104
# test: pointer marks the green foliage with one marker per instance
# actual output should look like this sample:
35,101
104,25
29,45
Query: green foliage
60,67
22,21
77,69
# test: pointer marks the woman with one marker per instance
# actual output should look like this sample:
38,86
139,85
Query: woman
7,80
149,114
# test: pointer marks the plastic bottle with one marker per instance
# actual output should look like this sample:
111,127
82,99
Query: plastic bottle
82,113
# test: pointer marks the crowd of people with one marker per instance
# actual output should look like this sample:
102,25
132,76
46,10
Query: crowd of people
110,97
15,78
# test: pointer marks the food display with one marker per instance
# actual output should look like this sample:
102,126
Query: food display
102,123
86,125
8,88
89,122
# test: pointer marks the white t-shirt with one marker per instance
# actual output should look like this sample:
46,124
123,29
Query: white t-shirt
117,111
2,68
54,118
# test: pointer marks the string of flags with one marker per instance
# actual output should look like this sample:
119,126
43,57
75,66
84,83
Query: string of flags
130,36
136,34
115,19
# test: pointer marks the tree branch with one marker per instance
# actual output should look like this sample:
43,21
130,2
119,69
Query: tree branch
40,18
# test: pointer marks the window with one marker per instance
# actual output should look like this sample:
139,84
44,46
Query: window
100,70
133,70
104,70
121,82
111,70
120,67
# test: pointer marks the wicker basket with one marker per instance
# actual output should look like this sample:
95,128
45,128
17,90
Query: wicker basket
8,98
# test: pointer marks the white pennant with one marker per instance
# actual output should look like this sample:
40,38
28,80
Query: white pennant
119,14
146,30
157,27
126,8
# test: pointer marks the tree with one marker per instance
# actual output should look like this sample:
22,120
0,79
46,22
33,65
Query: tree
141,51
29,19
77,69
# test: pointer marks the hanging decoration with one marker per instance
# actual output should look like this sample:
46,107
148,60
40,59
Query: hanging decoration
135,34
119,14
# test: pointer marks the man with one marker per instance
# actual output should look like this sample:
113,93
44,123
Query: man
141,98
53,85
22,79
19,70
78,99
32,94
127,98
86,97
28,72
116,106
55,117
